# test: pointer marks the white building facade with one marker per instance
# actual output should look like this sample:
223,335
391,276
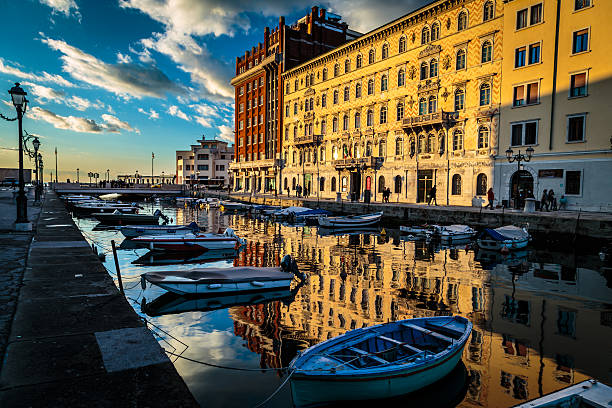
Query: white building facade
205,165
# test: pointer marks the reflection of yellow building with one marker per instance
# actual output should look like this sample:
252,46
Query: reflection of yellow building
555,86
420,94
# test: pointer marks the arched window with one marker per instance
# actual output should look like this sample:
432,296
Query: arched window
421,144
333,184
325,74
399,111
345,122
433,104
459,99
287,88
402,44
425,35
294,158
336,70
344,183
295,85
398,184
401,77
358,90
307,80
435,31
371,87
441,144
346,94
334,125
368,150
462,21
359,61
385,51
456,185
431,141
383,83
295,131
286,133
399,146
335,97
293,183
295,108
311,79
370,118
481,184
322,184
356,152
424,70
323,127
382,148
335,153
458,140
347,66
311,103
487,51
412,143
433,68
483,137
324,100
485,94
286,183
460,61
383,115
422,106
487,11
371,56
306,105
357,120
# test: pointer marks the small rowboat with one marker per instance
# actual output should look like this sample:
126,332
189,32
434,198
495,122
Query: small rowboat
383,361
504,238
133,231
190,242
173,258
119,218
350,220
206,281
417,231
455,233
233,206
589,393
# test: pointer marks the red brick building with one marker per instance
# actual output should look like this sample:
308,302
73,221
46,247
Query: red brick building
259,93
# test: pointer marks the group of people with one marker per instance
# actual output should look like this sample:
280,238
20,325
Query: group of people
548,201
386,193
299,190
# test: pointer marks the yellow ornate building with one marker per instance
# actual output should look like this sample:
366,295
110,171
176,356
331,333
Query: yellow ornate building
409,105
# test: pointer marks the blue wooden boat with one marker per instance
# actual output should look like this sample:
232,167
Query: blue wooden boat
383,361
587,394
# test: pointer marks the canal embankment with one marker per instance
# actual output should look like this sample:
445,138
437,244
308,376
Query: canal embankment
569,224
74,339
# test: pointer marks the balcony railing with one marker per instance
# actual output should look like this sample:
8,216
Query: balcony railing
431,119
351,162
254,164
309,139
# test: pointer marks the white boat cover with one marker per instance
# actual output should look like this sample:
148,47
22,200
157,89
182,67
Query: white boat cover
457,229
290,210
512,232
218,275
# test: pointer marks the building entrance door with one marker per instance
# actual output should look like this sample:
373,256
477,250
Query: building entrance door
355,186
521,187
424,184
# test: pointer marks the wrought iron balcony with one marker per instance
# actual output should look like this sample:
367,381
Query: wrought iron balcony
309,139
441,118
350,162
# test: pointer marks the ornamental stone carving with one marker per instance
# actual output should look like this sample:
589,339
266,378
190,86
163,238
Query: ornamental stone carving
430,50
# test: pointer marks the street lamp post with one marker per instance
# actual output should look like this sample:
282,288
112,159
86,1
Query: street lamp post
108,175
519,157
78,181
18,96
42,173
36,144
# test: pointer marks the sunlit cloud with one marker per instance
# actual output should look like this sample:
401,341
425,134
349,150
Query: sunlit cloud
65,7
175,111
79,124
152,114
226,133
19,75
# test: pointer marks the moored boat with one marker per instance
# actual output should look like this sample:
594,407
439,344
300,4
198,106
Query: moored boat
504,238
455,232
104,207
417,230
383,361
119,218
586,394
190,242
233,206
133,231
350,220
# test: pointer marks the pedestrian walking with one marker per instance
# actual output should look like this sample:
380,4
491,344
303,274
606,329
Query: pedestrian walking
552,201
432,196
490,197
544,200
563,203
388,194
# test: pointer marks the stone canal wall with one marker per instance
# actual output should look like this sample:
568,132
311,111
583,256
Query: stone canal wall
570,224
74,338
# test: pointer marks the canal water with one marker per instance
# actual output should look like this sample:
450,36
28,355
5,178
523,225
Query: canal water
542,317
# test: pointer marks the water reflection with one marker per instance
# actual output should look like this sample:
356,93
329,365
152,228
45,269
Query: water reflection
542,320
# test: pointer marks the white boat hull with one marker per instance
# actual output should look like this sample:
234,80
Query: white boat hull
222,288
346,222
133,232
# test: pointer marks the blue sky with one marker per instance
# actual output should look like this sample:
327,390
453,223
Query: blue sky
110,81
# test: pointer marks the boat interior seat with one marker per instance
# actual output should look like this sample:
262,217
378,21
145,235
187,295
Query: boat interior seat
428,332
453,329
399,343
367,355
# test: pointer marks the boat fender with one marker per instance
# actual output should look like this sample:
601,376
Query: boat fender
257,283
215,286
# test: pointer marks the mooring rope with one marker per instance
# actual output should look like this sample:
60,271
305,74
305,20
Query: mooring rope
224,367
264,402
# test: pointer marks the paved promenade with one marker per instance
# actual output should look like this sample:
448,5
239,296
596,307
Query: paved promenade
74,340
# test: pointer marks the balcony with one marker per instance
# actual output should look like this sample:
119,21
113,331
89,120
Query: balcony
441,119
272,59
352,163
304,140
251,165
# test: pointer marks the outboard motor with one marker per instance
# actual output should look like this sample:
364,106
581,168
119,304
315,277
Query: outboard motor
288,264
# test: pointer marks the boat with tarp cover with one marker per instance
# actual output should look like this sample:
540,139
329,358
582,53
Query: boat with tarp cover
504,238
190,242
383,361
350,220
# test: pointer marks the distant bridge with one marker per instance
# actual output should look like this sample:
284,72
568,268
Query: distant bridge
143,190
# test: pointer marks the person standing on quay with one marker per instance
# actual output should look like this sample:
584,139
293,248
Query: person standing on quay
432,196
544,200
552,201
490,197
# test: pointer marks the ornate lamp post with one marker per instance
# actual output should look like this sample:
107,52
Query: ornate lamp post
78,181
18,96
40,167
36,144
518,158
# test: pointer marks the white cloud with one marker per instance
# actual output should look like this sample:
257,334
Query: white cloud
20,75
43,95
114,124
366,15
63,7
123,58
124,80
152,114
206,113
79,124
175,111
226,134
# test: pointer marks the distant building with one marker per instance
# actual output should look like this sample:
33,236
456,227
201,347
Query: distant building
138,178
206,164
11,176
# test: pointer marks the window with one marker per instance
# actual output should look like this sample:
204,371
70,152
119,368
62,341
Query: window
358,90
460,60
424,70
431,140
371,87
370,118
433,104
456,185
425,35
433,68
241,108
241,125
578,85
487,11
345,122
481,184
581,41
487,52
324,100
483,137
572,182
401,77
307,80
382,148
324,74
519,57
383,83
357,120
294,131
536,14
371,56
334,125
202,166
241,90
383,115
347,66
458,140
286,133
485,94
346,94
344,183
422,141
566,322
534,53
459,99
323,127
399,146
295,108
295,85
580,4
422,106
402,44
435,31
400,111
385,51
526,94
333,184
462,21
398,184
521,19
368,149
336,70
524,133
575,128
335,97
359,61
